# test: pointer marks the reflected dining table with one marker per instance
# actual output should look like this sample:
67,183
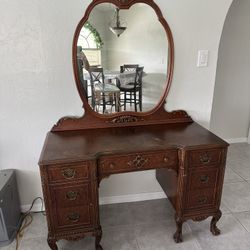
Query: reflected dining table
110,88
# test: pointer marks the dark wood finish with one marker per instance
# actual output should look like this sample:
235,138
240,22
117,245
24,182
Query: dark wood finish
92,119
64,173
174,150
79,152
134,162
196,191
213,228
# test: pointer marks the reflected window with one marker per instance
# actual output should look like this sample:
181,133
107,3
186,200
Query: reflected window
91,43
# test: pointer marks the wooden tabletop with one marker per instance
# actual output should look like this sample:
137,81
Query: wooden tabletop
72,146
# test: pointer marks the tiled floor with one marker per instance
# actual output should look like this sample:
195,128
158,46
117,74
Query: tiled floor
149,225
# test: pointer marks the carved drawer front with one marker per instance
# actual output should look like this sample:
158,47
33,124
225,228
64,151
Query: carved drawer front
205,178
68,173
201,198
133,162
205,157
72,196
74,216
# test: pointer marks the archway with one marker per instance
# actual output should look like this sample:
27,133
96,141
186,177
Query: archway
230,115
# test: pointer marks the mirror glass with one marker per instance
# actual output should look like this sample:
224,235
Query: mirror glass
122,59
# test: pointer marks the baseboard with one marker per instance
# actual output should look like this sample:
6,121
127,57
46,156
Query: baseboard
131,198
236,140
109,200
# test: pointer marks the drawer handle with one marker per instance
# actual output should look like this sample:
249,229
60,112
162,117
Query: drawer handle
138,162
202,200
112,165
205,158
72,195
74,217
166,159
69,173
204,179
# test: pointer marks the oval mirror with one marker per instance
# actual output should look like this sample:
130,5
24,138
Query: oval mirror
122,59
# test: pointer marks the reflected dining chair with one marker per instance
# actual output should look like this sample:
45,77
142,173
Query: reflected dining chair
132,91
84,83
102,94
128,67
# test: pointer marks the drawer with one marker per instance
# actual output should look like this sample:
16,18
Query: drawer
65,173
201,198
79,216
72,195
135,162
203,178
205,157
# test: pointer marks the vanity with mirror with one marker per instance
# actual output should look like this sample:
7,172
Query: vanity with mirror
123,59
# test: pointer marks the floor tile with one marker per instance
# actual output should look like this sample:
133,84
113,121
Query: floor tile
160,236
222,242
240,166
224,209
233,235
11,246
87,243
236,196
231,176
38,227
244,219
136,213
34,244
119,238
116,215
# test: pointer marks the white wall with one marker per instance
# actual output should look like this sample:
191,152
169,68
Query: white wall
231,107
37,85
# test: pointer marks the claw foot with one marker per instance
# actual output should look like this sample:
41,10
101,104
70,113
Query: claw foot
213,228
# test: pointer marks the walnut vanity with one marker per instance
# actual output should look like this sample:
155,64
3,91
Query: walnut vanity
80,151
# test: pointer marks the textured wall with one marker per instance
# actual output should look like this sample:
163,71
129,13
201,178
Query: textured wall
231,107
37,85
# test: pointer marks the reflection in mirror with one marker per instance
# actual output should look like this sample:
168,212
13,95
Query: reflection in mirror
122,58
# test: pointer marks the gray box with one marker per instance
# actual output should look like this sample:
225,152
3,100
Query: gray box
10,213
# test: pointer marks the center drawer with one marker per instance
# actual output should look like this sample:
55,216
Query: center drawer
135,162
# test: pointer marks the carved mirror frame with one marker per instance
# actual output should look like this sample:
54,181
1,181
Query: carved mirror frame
92,119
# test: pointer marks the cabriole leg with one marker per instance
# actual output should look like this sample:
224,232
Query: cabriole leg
98,238
213,228
178,233
52,243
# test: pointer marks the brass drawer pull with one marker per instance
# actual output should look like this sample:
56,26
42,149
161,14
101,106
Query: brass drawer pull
166,159
74,217
204,179
138,162
72,195
202,200
69,173
111,165
205,158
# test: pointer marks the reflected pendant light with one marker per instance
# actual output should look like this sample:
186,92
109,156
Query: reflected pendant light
115,25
